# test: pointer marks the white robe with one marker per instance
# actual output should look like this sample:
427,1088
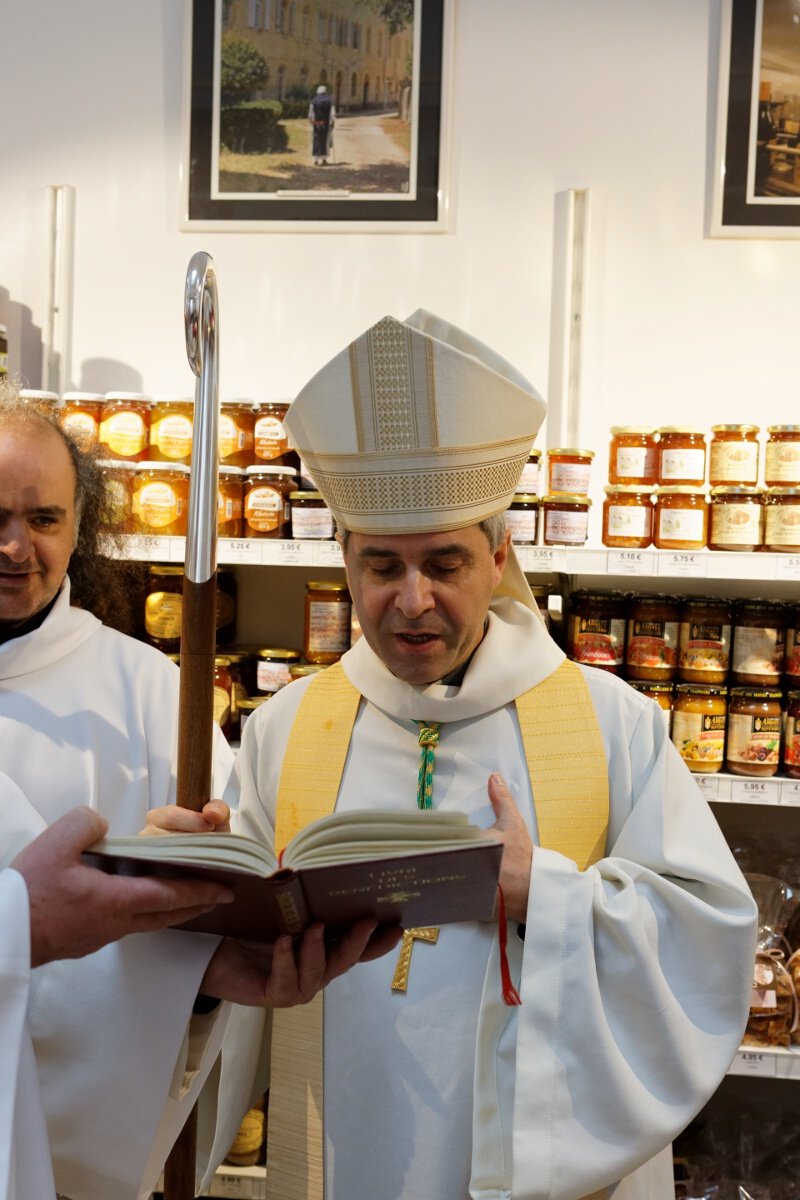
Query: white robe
89,716
634,975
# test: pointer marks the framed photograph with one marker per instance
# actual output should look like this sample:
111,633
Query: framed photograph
756,183
304,116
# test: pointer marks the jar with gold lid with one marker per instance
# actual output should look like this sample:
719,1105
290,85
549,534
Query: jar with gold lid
271,441
311,517
326,633
759,642
171,428
230,490
301,670
791,740
681,456
125,425
782,520
272,667
698,726
754,732
569,471
633,456
529,479
651,650
222,694
733,455
628,516
782,457
565,519
661,693
236,434
704,640
522,519
267,511
80,415
681,518
596,629
248,707
163,606
160,502
736,518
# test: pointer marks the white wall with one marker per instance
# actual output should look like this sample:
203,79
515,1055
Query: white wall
613,95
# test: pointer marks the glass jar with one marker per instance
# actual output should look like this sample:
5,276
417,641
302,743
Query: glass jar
633,456
326,633
522,519
754,732
222,694
791,741
163,607
782,459
733,455
566,519
759,640
171,427
271,439
628,516
698,726
161,498
681,518
736,518
782,520
303,669
568,471
236,670
119,480
272,667
661,693
229,502
248,707
236,437
243,671
125,425
80,415
791,666
39,398
704,640
651,651
681,456
267,512
596,629
311,517
531,473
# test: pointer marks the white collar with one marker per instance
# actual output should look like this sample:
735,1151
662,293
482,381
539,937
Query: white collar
63,629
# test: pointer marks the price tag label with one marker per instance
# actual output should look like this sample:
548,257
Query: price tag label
329,554
150,548
629,562
753,791
754,1062
683,563
239,550
787,566
291,552
790,792
709,786
540,558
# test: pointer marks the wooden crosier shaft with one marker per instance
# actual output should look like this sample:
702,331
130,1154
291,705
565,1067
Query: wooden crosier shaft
196,710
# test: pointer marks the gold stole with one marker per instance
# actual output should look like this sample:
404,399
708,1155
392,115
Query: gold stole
567,764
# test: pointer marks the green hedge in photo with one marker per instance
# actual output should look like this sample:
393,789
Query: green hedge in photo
253,127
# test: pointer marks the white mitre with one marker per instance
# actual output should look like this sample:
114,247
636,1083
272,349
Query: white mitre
417,427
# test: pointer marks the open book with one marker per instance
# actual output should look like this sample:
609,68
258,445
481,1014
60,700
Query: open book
407,868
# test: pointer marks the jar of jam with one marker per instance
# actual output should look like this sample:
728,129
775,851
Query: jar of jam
651,651
237,419
171,427
565,519
125,425
222,694
327,621
272,667
303,669
661,693
633,456
596,629
230,502
271,439
759,641
681,456
529,479
311,517
39,398
267,512
628,516
119,479
782,520
733,455
754,732
736,518
681,518
782,459
163,607
243,671
522,519
791,741
248,707
698,726
80,415
568,471
791,666
161,498
704,640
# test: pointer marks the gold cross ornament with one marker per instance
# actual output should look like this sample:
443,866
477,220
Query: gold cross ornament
427,933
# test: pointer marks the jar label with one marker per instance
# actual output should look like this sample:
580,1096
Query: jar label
162,615
272,676
791,750
782,463
652,643
270,438
704,647
570,477
312,522
157,505
734,462
783,525
232,438
328,627
172,436
683,464
636,463
523,525
263,509
754,739
629,520
222,705
566,527
700,737
598,641
529,479
736,524
681,525
125,433
758,651
82,426
251,1133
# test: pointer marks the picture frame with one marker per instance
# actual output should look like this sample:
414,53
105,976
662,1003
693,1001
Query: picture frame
755,190
251,160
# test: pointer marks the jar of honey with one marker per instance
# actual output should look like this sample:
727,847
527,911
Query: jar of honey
163,607
327,621
230,502
160,503
651,650
522,519
754,732
568,471
633,456
237,419
628,516
565,519
782,520
681,518
596,629
704,640
759,642
119,479
529,479
791,741
80,414
271,439
125,425
681,456
782,459
272,667
698,726
267,510
733,455
736,518
222,694
661,693
311,517
171,427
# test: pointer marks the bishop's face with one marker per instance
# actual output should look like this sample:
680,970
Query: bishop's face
37,519
422,598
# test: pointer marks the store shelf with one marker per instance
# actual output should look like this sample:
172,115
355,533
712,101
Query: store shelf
243,1183
772,1063
740,789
